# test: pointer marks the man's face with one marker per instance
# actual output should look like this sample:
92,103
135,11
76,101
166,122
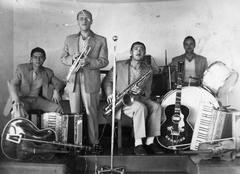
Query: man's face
84,21
38,59
189,45
137,52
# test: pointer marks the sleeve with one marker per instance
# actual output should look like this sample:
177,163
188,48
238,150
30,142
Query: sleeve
14,84
108,83
205,65
66,58
147,88
56,83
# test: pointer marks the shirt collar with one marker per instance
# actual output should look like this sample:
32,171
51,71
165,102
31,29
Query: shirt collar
91,34
41,68
141,64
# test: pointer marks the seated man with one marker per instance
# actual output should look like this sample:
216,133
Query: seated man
30,87
194,64
146,114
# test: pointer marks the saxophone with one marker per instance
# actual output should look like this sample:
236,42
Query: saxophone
125,98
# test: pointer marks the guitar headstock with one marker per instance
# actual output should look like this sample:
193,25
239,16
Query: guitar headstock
180,67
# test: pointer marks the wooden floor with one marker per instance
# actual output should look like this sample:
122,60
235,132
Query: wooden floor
124,159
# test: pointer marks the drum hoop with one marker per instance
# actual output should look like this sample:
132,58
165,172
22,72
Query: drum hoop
231,87
164,97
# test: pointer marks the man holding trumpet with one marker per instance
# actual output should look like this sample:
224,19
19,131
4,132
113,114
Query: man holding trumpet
83,84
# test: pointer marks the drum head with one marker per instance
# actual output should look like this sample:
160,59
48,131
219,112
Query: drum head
228,85
191,97
219,79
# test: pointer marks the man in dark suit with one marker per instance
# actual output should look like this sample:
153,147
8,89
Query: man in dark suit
194,65
30,87
84,85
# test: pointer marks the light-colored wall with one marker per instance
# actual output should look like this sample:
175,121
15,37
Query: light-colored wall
161,25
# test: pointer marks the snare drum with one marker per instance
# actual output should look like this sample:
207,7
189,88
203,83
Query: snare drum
191,97
219,79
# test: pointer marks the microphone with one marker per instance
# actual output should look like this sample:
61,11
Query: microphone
115,38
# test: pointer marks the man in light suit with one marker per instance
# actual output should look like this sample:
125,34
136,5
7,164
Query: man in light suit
84,85
146,114
30,87
194,65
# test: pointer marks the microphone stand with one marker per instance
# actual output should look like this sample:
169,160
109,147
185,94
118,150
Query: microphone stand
106,168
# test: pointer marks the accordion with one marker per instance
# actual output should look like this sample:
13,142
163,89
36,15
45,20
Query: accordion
68,127
209,124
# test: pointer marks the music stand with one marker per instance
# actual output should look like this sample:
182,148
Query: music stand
105,169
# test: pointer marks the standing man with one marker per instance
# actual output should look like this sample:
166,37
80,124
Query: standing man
30,87
84,85
194,65
146,114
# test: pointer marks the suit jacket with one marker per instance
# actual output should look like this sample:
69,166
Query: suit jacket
98,59
20,85
122,80
200,63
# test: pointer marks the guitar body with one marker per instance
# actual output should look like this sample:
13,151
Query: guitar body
15,129
22,140
184,136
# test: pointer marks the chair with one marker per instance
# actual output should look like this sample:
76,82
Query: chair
124,121
38,113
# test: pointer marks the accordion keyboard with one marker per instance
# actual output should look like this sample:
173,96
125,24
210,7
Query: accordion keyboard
204,125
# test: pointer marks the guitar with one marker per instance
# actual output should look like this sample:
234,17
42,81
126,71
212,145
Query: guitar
176,132
22,140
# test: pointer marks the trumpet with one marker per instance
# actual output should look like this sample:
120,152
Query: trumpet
76,65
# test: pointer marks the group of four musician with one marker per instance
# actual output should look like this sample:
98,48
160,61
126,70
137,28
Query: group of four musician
29,89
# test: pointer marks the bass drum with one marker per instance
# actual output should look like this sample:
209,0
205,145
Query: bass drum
219,79
191,98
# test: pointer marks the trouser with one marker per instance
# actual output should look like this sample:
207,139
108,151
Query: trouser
90,101
40,103
146,116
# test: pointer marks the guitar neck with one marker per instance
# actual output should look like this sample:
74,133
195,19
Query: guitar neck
178,94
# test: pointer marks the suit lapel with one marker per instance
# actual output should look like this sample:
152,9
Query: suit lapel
45,80
197,65
126,73
92,43
30,75
145,69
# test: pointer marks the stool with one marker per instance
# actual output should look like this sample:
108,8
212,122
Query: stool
119,122
38,113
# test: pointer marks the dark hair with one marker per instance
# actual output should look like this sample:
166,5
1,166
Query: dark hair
84,11
189,37
138,43
38,49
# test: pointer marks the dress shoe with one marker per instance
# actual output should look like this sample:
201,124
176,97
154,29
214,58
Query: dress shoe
139,150
155,149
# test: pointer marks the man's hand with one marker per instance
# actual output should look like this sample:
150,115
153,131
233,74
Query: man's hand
109,98
18,110
56,96
76,55
136,90
84,61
